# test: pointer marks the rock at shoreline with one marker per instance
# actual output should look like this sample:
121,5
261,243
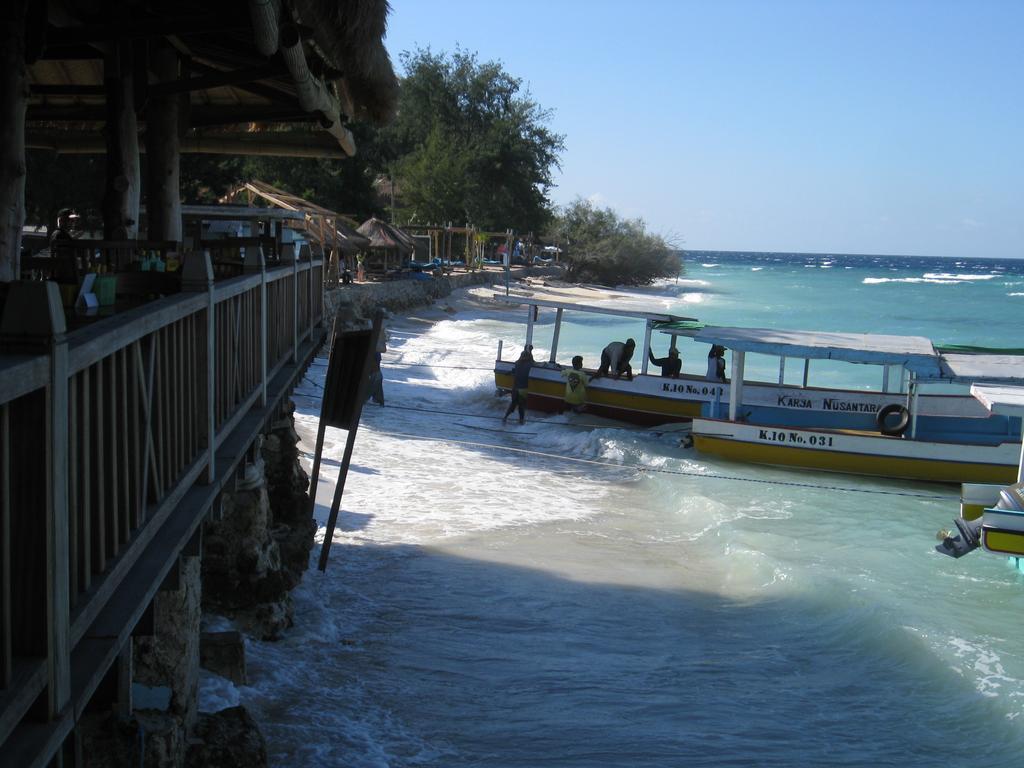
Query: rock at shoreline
227,739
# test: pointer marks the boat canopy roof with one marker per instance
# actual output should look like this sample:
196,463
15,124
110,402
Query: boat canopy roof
996,369
660,317
1000,399
915,353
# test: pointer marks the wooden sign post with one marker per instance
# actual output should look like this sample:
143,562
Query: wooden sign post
345,391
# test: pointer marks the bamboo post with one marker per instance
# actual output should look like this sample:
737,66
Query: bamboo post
33,319
197,276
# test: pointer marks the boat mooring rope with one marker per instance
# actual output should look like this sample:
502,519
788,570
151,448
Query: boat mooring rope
636,467
662,470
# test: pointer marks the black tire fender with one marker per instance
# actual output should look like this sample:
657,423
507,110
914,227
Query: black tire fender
897,429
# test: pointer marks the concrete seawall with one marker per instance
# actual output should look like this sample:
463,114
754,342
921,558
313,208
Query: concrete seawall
358,301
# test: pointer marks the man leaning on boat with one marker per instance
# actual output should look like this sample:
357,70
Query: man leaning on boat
615,360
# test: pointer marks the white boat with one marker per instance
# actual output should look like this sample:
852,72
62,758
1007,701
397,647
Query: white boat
652,399
943,437
646,399
992,515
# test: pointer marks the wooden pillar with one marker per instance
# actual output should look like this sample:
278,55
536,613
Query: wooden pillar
13,100
121,195
163,153
33,319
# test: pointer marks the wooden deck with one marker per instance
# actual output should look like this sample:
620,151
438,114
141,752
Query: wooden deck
115,442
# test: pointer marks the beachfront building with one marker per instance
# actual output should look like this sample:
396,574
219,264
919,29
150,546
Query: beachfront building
134,401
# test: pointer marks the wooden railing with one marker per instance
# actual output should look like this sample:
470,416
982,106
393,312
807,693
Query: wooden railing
114,442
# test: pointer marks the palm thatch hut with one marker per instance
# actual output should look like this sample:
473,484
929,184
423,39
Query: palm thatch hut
232,77
389,246
333,233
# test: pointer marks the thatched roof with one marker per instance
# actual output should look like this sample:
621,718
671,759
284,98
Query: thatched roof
327,227
350,33
387,236
243,90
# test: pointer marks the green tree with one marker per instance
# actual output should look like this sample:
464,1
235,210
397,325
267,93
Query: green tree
469,144
607,249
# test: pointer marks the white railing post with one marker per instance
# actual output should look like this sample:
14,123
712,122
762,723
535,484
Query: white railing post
33,319
736,385
197,276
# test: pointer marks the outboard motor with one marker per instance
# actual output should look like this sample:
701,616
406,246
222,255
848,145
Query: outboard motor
957,545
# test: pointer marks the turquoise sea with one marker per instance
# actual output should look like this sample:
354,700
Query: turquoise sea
573,593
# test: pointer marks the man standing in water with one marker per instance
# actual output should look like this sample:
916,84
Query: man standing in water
520,385
575,385
615,359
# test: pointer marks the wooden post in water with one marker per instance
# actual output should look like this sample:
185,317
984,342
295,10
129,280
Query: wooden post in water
344,394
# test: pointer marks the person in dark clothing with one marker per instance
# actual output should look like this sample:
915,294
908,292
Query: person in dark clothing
67,220
520,385
615,360
670,366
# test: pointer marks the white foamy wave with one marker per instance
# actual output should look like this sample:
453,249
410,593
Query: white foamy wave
756,269
709,265
947,276
984,665
1015,293
216,692
880,280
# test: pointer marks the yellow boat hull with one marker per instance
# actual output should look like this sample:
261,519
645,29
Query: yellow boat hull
909,468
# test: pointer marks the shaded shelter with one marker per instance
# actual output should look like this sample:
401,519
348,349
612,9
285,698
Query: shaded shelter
389,245
332,232
234,77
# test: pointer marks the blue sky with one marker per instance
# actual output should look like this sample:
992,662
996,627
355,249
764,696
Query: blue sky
847,127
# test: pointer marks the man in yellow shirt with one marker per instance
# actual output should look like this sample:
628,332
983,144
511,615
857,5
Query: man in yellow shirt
575,385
